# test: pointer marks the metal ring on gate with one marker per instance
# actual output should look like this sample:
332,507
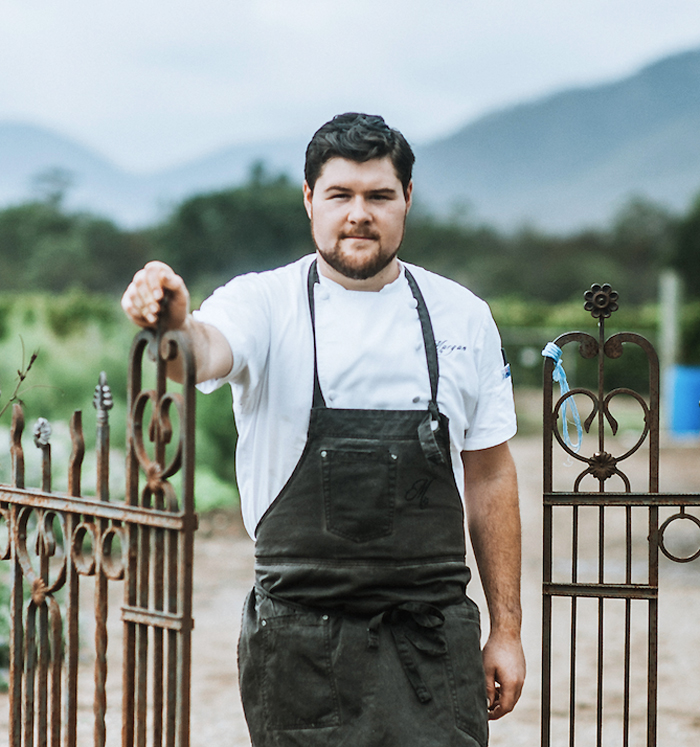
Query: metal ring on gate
48,539
662,530
85,565
6,552
113,567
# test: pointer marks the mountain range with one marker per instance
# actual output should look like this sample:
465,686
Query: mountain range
561,162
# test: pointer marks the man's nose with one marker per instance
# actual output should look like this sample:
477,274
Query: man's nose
359,212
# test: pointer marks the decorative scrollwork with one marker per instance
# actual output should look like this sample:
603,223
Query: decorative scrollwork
45,546
623,391
160,429
85,564
601,300
6,550
101,553
602,465
112,565
39,591
586,424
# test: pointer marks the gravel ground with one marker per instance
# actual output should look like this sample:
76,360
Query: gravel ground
223,576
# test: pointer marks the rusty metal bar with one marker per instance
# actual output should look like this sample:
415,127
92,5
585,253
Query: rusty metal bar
599,673
627,673
650,500
601,591
159,680
154,529
56,669
652,656
158,654
185,541
73,586
153,618
102,401
601,301
572,672
114,512
172,640
30,675
17,641
142,637
547,561
43,665
72,643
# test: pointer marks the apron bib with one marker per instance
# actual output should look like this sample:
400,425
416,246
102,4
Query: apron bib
358,631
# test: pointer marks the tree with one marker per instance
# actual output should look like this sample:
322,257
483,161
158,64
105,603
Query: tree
212,237
42,247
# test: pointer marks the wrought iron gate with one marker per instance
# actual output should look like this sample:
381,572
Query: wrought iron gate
582,568
145,542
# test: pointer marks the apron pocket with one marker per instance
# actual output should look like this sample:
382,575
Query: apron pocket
463,633
359,487
299,687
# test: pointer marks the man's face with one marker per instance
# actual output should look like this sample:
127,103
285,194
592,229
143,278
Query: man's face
358,213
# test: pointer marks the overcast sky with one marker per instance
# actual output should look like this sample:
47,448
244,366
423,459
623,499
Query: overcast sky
151,83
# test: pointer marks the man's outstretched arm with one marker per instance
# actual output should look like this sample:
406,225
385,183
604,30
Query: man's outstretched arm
493,516
143,304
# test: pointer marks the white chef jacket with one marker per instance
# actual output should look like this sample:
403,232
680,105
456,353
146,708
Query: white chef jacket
370,356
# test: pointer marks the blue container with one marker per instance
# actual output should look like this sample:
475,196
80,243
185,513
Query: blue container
685,420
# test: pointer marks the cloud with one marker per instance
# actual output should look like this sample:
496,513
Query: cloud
153,83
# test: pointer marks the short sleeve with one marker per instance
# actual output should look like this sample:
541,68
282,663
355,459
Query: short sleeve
240,311
494,419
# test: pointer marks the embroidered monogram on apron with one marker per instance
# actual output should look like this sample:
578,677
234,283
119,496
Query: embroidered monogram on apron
358,631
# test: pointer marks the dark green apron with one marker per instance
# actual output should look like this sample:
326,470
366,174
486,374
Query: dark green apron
358,631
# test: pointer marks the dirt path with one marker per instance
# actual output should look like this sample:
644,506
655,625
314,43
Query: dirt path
224,573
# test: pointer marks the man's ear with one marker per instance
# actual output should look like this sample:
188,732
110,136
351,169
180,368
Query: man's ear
308,195
408,194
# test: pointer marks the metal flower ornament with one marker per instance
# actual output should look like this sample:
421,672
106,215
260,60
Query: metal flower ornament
601,300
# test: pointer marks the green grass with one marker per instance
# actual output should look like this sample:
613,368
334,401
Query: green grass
76,336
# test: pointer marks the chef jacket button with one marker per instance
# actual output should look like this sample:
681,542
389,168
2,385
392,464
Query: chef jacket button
332,395
323,294
416,399
413,304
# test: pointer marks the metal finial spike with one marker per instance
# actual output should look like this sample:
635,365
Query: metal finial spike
102,400
42,433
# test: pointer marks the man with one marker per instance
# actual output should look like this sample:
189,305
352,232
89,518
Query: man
366,394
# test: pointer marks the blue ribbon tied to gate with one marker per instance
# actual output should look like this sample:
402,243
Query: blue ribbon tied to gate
553,351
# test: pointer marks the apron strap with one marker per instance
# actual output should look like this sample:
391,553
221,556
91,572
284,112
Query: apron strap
430,425
428,341
412,624
318,400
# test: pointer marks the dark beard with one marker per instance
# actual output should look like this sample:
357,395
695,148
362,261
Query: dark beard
369,269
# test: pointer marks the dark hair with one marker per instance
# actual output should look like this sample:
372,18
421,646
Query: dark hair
358,137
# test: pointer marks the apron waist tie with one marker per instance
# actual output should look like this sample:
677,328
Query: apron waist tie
419,624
